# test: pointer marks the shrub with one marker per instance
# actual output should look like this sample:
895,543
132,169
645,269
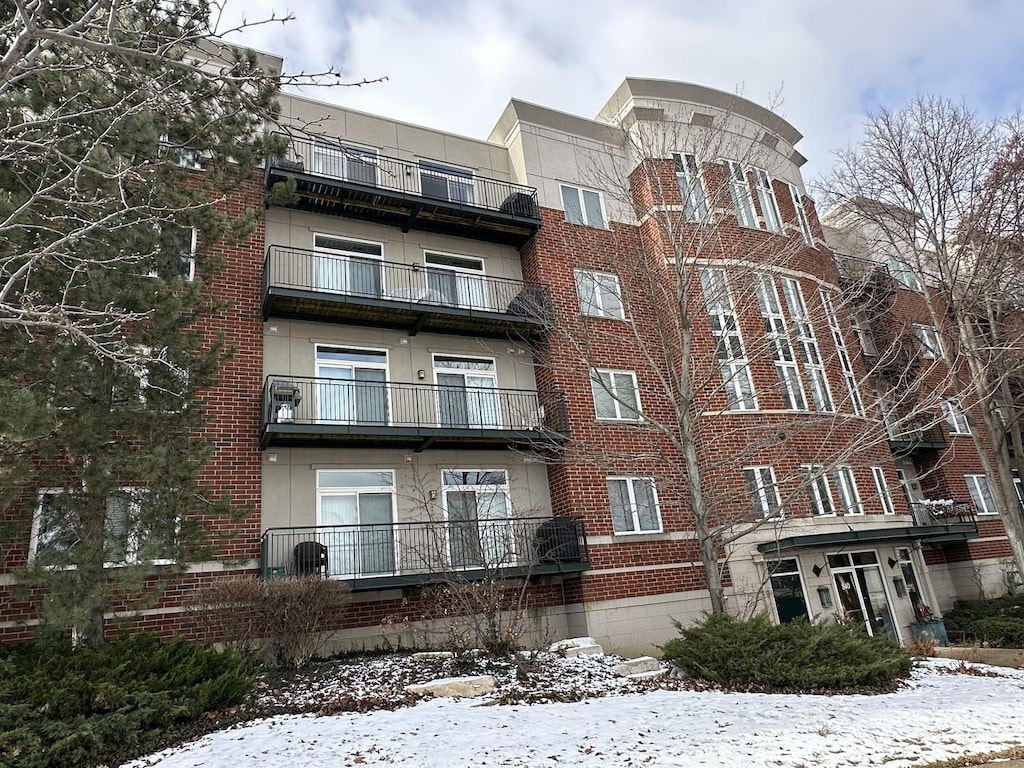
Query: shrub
967,616
291,618
65,707
796,656
1001,630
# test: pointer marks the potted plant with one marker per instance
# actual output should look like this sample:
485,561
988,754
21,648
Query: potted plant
928,626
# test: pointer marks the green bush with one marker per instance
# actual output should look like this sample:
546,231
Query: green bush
1006,631
76,707
793,657
967,615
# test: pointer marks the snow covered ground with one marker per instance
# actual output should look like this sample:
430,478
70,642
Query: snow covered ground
940,713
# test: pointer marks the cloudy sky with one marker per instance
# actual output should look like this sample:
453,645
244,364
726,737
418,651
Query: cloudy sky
454,64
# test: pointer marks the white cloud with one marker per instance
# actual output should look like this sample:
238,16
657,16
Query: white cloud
454,65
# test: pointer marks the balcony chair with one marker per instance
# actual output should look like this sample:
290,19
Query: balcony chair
311,559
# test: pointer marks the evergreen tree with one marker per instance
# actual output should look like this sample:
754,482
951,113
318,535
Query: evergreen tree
123,128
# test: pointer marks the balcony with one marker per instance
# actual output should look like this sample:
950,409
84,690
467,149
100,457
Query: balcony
358,183
385,556
310,285
908,440
307,411
950,522
866,282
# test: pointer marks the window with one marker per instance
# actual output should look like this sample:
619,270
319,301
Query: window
634,505
457,281
814,369
766,197
130,531
346,161
801,215
691,188
175,147
615,395
352,267
176,253
444,182
599,294
732,360
904,274
764,493
846,487
866,337
778,336
844,358
882,487
981,495
351,386
583,206
788,590
956,419
466,394
742,202
819,488
931,344
355,515
476,503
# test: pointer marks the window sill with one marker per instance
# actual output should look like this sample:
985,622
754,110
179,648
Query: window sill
613,420
638,534
603,317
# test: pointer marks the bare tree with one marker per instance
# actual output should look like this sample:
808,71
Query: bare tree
936,192
712,292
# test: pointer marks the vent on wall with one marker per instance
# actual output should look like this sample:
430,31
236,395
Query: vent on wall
650,114
769,141
702,119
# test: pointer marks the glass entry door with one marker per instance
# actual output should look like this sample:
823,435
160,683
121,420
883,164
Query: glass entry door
457,281
360,504
466,396
861,588
350,267
351,386
477,506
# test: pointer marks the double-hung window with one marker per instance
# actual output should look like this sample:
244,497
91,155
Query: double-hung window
814,368
763,491
742,201
778,337
956,419
634,505
616,396
691,187
846,487
849,376
931,343
981,494
766,197
883,491
801,215
820,491
599,294
732,358
583,206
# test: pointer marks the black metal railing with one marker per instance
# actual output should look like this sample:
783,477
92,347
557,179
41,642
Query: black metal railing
384,404
910,436
413,284
425,549
425,178
933,513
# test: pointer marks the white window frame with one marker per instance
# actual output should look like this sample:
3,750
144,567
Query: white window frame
491,373
791,387
690,178
321,364
852,386
981,494
807,343
632,514
882,487
455,178
186,261
600,294
355,490
333,159
582,208
133,544
471,281
866,337
930,341
187,158
504,539
801,215
905,275
770,216
763,491
956,418
822,501
850,503
612,390
732,358
739,188
345,257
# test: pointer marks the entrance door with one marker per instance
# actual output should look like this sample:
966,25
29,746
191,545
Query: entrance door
788,590
352,387
477,506
466,396
355,510
458,281
861,588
